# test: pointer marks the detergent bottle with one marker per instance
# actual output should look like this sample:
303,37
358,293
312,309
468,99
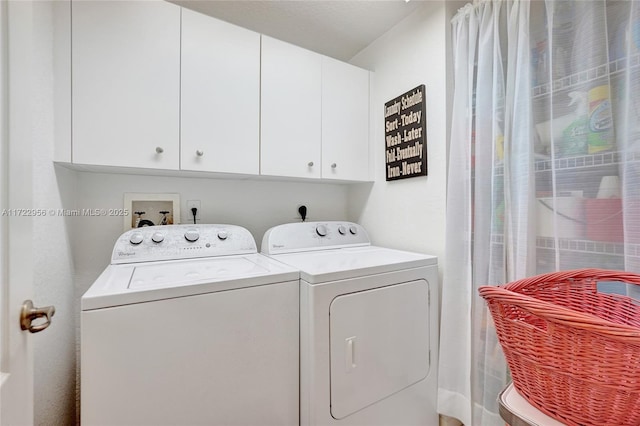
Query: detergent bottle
574,136
600,136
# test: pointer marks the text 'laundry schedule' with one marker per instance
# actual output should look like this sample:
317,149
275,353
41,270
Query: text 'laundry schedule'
406,135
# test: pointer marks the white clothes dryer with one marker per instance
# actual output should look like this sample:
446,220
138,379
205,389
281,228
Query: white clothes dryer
368,326
189,325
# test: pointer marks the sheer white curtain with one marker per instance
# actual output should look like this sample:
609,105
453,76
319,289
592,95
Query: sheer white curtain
544,168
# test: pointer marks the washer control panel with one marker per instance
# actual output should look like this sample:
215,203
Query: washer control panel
172,242
307,236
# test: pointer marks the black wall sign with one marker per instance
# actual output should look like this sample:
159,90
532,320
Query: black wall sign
405,135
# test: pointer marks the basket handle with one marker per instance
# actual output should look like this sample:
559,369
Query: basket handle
596,274
559,314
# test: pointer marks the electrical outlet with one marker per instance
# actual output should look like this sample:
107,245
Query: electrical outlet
190,205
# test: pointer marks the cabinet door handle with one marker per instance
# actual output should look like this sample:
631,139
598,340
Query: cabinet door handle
334,165
199,153
310,164
159,150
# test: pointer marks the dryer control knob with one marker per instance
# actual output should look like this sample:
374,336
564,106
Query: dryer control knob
136,238
157,237
191,235
321,230
353,230
342,230
222,235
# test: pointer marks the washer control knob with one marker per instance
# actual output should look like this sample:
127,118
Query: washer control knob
342,230
353,230
136,238
191,235
222,235
321,230
157,237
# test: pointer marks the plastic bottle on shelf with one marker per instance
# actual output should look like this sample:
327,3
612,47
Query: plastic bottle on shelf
563,16
539,43
600,136
543,62
574,136
568,133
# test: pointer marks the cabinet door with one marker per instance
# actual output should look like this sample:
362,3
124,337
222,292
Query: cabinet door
290,110
126,83
220,98
345,121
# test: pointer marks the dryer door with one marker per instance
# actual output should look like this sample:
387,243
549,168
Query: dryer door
379,344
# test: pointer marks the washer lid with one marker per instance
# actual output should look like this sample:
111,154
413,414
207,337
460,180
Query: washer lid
338,264
146,276
144,282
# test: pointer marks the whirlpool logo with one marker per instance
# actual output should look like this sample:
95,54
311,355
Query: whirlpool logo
125,253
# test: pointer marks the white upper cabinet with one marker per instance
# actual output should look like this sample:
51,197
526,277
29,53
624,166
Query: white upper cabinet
220,98
156,86
345,121
126,83
290,110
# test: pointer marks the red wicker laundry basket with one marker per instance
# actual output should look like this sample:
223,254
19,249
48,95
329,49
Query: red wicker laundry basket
573,352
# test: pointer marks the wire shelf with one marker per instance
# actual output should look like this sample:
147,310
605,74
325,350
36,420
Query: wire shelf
593,160
585,161
612,158
497,239
612,69
580,246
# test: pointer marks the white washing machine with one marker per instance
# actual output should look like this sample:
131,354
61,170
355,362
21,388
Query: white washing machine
368,326
189,325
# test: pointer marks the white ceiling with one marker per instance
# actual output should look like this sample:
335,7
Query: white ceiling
336,28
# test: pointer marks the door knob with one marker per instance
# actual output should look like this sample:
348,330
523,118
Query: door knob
28,313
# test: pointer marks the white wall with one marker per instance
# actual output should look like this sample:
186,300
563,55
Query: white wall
54,349
254,204
409,213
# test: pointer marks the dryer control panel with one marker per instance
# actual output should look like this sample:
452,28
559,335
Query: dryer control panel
172,242
308,236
